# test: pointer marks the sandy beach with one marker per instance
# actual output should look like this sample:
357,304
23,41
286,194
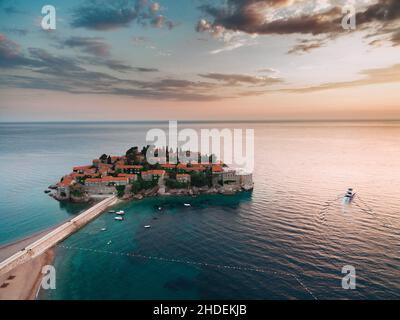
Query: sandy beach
8,250
22,283
22,261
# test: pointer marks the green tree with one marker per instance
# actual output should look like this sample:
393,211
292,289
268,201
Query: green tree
77,190
103,158
173,184
120,191
198,179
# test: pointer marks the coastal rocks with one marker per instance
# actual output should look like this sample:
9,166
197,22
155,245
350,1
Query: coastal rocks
161,191
178,192
81,199
138,197
247,187
151,192
192,191
128,195
58,197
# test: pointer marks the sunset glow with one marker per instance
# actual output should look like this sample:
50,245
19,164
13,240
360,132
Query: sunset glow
223,60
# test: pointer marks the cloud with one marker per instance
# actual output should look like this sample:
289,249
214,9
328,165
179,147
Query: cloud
396,38
138,40
12,10
268,70
43,70
58,73
228,47
281,17
92,45
10,54
389,74
105,15
235,79
305,46
16,31
115,65
155,7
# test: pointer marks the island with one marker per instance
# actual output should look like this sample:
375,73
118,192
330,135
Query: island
132,176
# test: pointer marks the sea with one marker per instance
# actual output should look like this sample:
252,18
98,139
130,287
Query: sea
292,237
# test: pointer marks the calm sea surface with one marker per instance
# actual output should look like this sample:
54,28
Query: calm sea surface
288,239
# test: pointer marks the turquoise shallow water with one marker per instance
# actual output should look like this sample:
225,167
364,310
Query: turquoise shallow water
288,239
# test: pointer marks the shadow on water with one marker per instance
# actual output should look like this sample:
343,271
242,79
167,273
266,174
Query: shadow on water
202,201
74,208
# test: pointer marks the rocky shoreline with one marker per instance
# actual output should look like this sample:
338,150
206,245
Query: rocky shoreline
192,191
164,191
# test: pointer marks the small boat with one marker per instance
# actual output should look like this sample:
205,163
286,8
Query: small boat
120,213
109,242
147,227
349,196
103,229
159,208
119,218
47,191
111,211
187,204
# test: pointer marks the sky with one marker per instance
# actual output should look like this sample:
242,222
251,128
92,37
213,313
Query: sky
200,60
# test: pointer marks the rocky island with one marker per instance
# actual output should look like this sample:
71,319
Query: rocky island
133,176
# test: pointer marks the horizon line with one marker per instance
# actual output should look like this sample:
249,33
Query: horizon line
203,121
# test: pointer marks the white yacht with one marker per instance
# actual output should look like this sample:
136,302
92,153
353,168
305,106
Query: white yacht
119,218
349,196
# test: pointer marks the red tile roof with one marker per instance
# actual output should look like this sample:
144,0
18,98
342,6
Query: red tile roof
198,165
128,167
105,165
107,179
130,176
67,181
168,166
81,168
154,172
89,172
188,169
217,169
110,179
93,180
